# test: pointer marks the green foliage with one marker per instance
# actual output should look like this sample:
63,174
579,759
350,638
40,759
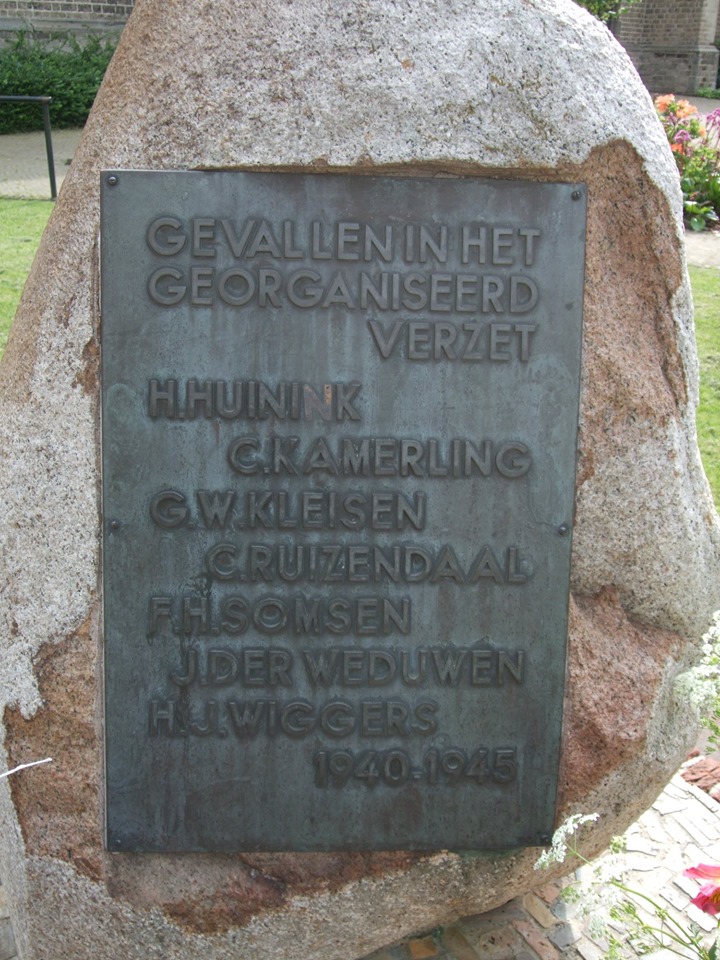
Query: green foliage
23,222
700,183
709,672
709,93
696,147
606,10
68,71
629,921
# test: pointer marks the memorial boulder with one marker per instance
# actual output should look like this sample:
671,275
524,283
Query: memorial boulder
354,528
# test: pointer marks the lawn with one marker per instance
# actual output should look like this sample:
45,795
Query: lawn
21,225
23,222
706,292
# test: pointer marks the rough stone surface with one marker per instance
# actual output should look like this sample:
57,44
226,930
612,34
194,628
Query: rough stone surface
514,88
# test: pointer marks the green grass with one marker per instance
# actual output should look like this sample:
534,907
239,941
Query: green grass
706,293
22,223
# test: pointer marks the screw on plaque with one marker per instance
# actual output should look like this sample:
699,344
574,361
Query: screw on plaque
576,194
563,529
114,524
112,180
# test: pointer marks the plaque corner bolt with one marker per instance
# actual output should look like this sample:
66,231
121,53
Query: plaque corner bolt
576,194
112,180
545,840
114,524
563,529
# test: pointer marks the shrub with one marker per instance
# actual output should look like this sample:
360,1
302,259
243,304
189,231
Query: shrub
606,10
68,71
696,148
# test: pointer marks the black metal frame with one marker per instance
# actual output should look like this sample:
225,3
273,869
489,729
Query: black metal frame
45,102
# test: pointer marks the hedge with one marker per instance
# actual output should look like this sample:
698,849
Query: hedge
64,68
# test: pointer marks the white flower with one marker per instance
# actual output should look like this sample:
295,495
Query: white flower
559,849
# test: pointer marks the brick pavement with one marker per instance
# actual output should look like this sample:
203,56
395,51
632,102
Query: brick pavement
681,828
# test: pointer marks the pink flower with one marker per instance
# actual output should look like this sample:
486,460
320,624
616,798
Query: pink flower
713,119
708,897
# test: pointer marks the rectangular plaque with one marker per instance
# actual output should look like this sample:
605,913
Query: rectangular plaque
339,434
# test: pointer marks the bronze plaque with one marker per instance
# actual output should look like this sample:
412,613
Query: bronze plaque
339,435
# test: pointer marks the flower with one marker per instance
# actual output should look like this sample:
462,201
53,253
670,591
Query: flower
559,849
708,897
685,108
662,103
713,119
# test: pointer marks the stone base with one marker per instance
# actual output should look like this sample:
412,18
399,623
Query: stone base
673,70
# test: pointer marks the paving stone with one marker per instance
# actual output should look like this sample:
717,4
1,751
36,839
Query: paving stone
713,852
693,854
666,954
709,802
666,805
454,941
587,949
617,929
703,920
676,898
549,892
673,859
675,831
678,789
654,827
599,939
494,918
696,831
388,953
538,911
536,939
585,873
565,934
641,862
511,910
654,881
637,843
565,911
708,823
480,923
502,943
422,948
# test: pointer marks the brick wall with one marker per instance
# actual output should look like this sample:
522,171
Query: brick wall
631,25
672,43
42,11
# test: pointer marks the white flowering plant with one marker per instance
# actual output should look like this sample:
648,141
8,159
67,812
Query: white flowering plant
627,920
